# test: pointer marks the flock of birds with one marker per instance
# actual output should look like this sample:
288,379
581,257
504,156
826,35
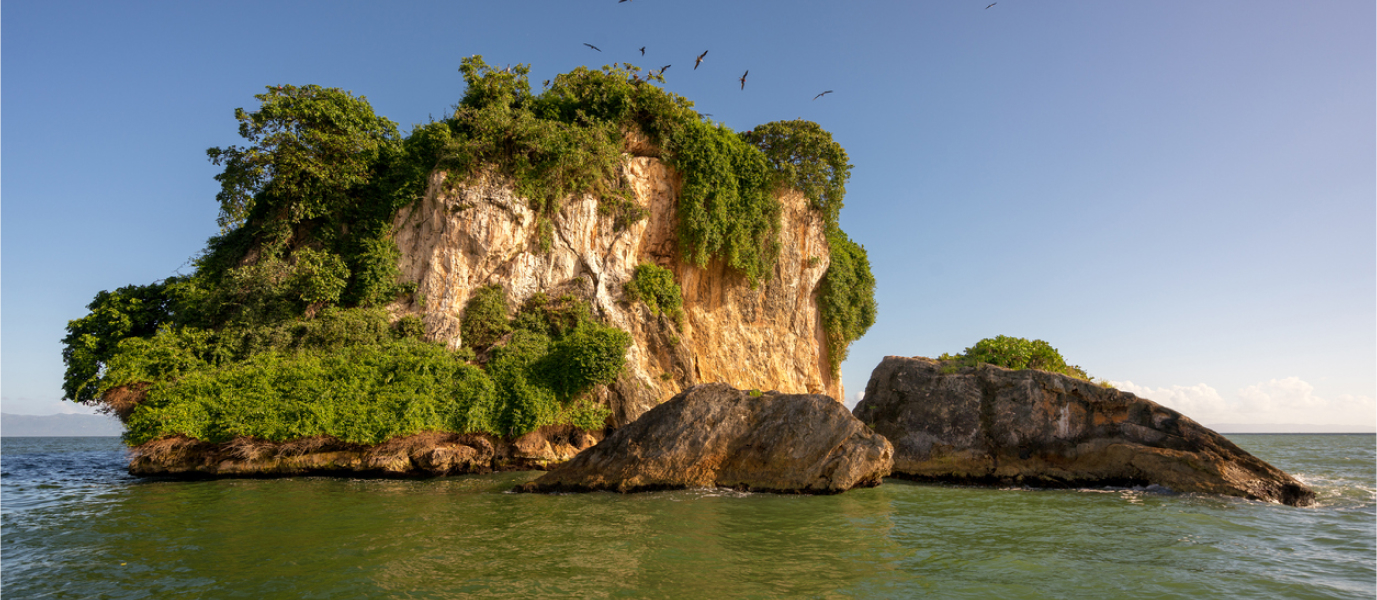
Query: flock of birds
696,62
699,61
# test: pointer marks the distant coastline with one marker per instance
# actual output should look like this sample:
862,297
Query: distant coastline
59,426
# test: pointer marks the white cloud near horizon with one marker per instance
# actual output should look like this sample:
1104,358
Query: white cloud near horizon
1290,400
32,406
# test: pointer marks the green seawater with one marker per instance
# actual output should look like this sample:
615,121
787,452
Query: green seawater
75,525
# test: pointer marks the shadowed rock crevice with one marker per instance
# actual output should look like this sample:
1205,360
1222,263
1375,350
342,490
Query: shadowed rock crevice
996,426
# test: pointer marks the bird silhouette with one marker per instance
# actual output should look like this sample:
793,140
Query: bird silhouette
642,50
592,46
743,78
822,94
700,59
663,69
547,83
991,4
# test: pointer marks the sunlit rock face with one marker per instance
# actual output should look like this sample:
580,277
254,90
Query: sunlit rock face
994,425
714,435
462,237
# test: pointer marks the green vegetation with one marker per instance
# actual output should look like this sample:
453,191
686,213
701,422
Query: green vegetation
349,374
280,331
654,285
1016,353
847,298
485,317
726,208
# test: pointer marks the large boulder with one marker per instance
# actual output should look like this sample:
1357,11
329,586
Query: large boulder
993,425
714,435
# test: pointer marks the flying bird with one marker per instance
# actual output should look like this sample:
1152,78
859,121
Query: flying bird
991,4
743,78
642,50
700,59
592,46
822,94
663,69
547,83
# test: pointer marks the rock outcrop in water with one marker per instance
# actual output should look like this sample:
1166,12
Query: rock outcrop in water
717,436
989,424
458,239
424,454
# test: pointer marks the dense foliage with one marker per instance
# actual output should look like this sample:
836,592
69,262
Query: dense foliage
286,301
1016,353
804,156
847,297
654,285
352,375
485,317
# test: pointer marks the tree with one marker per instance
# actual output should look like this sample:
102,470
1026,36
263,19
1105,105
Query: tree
309,147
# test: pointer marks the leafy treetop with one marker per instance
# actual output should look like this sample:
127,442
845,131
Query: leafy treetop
309,146
1017,353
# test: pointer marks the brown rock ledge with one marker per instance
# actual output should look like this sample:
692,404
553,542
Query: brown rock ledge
715,435
423,454
999,426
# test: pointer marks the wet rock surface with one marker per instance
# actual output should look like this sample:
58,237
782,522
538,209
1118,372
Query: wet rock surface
994,425
714,435
423,454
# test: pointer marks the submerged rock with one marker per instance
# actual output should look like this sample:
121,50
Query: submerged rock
994,425
715,435
423,454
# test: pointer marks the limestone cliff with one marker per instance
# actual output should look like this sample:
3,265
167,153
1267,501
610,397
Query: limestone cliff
461,237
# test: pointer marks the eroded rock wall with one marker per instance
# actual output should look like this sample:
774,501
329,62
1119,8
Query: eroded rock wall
462,237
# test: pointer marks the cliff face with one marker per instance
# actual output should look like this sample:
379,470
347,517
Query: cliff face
460,238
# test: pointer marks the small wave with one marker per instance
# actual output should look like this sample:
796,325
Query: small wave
1339,492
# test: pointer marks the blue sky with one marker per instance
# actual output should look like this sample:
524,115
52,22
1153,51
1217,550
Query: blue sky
1178,195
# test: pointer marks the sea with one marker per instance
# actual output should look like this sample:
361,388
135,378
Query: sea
75,524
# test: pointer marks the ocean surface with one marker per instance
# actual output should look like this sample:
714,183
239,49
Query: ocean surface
76,525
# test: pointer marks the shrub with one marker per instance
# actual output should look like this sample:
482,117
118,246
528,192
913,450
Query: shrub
485,317
361,394
410,327
726,206
804,156
847,297
655,286
1017,353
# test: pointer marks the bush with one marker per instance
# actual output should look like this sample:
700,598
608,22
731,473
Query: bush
485,317
726,206
655,286
847,297
362,394
1017,353
805,157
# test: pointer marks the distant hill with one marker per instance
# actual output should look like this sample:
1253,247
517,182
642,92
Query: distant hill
59,425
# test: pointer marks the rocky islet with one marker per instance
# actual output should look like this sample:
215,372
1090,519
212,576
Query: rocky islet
991,425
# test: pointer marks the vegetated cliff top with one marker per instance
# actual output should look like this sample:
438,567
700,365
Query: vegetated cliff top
284,309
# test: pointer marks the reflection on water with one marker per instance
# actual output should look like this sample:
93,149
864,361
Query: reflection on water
75,525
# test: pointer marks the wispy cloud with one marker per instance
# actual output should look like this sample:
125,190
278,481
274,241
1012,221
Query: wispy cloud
1200,402
1275,401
